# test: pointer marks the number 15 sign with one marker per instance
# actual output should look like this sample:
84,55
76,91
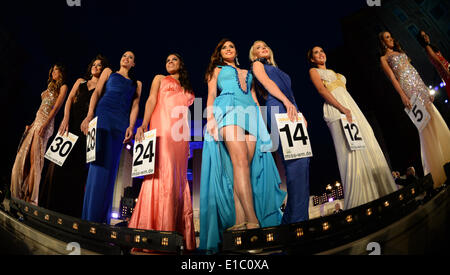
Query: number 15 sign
294,137
144,155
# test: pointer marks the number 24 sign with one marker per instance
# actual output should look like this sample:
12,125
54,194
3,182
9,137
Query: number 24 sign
144,155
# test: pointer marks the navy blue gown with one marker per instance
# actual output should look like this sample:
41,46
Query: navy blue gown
297,170
113,112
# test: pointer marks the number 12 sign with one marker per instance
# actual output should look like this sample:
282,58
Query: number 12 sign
353,135
294,137
144,155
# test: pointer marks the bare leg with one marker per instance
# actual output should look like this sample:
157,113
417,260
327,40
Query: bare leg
30,179
238,150
251,145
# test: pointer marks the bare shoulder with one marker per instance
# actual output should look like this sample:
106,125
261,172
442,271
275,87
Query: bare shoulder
107,71
313,71
64,88
257,64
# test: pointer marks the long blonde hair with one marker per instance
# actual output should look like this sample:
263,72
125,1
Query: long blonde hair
253,57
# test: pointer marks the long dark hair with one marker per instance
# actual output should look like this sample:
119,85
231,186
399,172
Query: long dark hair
184,75
424,44
56,84
383,47
310,54
132,71
88,74
103,60
216,59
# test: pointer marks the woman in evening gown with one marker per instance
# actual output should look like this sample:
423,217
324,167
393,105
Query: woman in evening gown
26,172
365,173
117,111
60,192
436,58
239,179
434,138
164,202
276,86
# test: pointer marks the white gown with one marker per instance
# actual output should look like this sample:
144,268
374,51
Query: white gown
365,174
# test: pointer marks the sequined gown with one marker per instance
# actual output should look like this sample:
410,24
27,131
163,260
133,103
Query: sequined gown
164,202
30,157
365,174
435,137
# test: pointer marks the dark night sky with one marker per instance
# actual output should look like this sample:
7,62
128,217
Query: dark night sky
40,33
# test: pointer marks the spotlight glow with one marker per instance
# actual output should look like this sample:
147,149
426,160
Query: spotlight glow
115,215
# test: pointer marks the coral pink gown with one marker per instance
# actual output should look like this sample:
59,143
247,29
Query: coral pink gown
164,202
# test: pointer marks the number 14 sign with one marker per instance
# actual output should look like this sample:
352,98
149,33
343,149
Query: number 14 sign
294,137
144,155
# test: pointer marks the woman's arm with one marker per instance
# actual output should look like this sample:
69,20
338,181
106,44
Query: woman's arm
327,95
149,107
390,74
64,126
273,89
211,124
134,113
55,109
94,99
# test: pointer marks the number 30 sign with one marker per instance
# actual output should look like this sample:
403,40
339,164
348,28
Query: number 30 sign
60,148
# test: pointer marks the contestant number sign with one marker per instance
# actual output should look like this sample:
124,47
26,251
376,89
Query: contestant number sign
91,141
294,137
353,134
418,113
60,148
144,155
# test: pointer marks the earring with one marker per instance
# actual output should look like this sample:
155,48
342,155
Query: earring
220,59
237,61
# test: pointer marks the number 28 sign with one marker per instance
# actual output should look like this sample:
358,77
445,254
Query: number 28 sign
144,155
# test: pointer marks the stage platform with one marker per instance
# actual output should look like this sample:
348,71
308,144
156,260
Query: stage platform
418,224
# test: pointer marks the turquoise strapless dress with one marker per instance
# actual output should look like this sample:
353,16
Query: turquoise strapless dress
234,106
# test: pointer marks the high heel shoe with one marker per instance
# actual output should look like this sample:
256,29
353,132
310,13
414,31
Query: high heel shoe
253,225
242,226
